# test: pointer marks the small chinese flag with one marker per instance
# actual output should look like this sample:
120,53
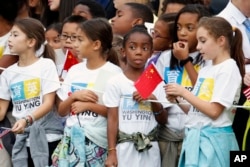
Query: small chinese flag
246,92
148,81
70,60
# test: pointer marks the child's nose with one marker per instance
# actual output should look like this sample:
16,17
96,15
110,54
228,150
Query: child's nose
183,31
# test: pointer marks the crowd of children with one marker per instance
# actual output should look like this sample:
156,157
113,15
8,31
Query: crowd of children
92,114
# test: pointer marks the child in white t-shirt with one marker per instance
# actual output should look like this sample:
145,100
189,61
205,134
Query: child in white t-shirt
31,84
132,120
80,98
209,119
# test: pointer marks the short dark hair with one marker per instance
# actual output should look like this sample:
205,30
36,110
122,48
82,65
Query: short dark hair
141,11
9,10
73,19
95,9
55,26
98,29
137,29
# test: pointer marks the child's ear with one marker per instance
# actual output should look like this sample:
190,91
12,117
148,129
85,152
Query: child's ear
31,42
123,55
97,44
122,51
137,21
221,41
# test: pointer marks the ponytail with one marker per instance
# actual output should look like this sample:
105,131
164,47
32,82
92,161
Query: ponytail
49,52
237,52
113,57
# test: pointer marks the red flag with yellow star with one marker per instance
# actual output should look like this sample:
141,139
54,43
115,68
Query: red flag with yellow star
148,81
70,60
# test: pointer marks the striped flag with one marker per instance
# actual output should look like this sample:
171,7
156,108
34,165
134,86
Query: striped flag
4,131
246,92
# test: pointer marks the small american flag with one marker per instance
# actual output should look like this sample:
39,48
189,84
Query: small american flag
246,92
4,131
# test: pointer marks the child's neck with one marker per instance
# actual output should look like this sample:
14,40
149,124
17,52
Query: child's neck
26,60
133,74
95,63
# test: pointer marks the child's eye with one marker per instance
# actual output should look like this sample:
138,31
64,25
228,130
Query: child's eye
145,48
73,37
190,28
13,35
202,41
79,38
132,47
64,36
57,40
178,28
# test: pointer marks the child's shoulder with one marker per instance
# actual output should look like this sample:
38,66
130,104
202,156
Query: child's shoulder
112,67
117,78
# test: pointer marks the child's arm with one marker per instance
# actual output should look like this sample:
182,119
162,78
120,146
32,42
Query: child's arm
158,110
179,101
3,108
43,109
181,52
64,107
112,131
55,154
78,107
211,109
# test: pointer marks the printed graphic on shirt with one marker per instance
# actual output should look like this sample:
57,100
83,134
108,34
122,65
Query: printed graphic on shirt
80,86
204,89
26,94
180,76
1,51
134,111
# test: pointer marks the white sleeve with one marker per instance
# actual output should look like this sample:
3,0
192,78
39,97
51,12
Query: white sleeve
4,87
112,94
51,82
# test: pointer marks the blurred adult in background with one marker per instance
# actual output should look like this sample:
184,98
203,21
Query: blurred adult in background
36,8
215,6
57,11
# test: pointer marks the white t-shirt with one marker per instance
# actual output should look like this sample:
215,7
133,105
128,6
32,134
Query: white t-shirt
26,86
216,83
133,117
80,77
176,116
